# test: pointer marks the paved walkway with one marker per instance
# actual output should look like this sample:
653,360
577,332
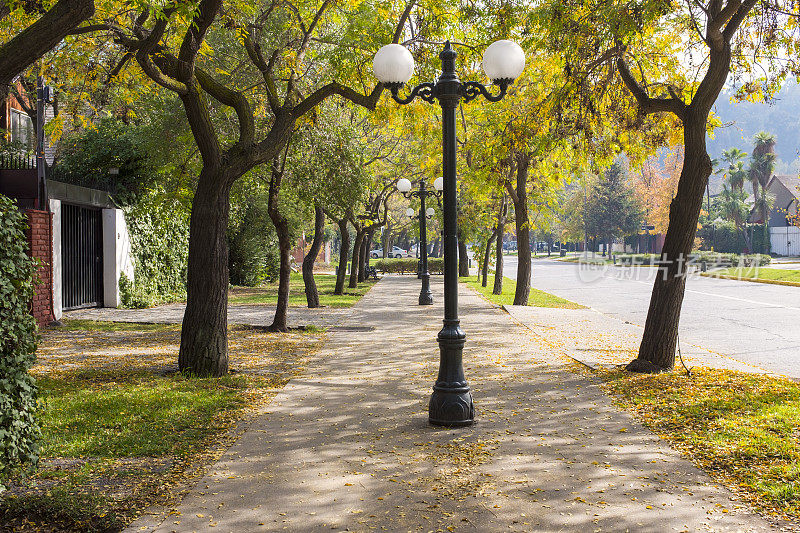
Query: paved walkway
346,446
252,315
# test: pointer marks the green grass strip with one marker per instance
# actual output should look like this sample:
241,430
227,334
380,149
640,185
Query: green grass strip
742,428
536,297
776,276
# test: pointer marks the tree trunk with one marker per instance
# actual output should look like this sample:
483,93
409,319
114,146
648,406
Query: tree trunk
498,265
523,234
204,332
659,341
312,296
344,251
463,258
285,249
355,260
487,252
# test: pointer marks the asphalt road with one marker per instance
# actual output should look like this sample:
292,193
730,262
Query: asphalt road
756,323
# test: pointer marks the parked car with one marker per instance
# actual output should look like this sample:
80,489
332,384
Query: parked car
396,252
399,252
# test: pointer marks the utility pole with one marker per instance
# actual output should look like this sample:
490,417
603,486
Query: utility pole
42,97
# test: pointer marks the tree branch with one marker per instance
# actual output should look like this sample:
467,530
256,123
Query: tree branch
314,99
195,35
230,98
720,16
257,57
40,37
398,31
737,19
648,105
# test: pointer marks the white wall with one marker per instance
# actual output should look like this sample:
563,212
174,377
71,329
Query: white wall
55,208
785,241
117,258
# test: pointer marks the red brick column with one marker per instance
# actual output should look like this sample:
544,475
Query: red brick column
40,246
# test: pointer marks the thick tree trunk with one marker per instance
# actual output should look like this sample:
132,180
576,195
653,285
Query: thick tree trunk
523,234
285,249
657,350
204,333
36,40
498,264
355,260
659,341
463,258
486,253
312,296
344,251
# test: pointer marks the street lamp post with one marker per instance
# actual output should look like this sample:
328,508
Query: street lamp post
404,186
451,401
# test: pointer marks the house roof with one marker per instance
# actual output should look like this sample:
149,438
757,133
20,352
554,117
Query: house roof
790,182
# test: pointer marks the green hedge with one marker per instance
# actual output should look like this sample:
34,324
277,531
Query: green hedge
159,231
408,265
724,238
712,258
19,429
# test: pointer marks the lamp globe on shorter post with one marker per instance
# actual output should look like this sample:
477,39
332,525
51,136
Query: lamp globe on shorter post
405,186
430,212
451,402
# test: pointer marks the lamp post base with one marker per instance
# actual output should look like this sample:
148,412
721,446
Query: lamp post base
451,401
451,408
425,298
425,294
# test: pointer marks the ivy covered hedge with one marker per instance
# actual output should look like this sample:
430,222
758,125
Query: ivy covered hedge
19,430
159,232
408,265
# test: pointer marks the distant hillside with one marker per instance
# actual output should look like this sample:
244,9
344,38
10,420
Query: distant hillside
744,119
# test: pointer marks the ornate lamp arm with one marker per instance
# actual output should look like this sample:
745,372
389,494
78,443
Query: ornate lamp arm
423,90
471,89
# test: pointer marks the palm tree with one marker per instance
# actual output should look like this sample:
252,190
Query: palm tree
735,171
762,161
762,164
734,207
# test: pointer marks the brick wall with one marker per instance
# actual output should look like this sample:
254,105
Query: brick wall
40,239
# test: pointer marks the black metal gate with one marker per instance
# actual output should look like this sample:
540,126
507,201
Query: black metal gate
82,256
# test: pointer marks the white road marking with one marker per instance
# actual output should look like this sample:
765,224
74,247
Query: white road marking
722,295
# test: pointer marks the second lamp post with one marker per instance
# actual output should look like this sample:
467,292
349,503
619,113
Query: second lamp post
393,65
404,186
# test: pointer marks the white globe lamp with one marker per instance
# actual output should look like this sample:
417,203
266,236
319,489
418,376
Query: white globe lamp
503,60
393,65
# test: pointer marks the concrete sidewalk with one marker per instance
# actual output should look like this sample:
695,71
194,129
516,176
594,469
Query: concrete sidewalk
251,315
347,447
